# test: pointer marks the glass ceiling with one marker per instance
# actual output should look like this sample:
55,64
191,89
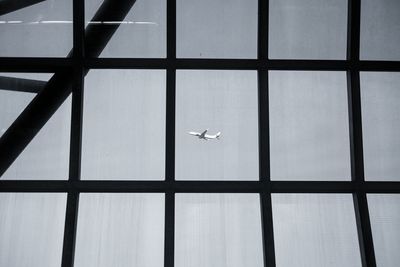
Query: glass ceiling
199,133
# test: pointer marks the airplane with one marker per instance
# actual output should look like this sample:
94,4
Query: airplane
205,136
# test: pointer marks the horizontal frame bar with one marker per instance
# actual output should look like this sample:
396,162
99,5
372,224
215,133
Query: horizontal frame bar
199,186
54,64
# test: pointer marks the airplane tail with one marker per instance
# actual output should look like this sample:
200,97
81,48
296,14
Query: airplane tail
218,135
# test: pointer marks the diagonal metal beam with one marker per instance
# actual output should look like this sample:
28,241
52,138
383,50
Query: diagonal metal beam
8,6
45,104
21,85
98,35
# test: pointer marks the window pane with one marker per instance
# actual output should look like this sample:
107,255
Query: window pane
120,230
43,29
315,230
124,125
16,91
218,230
142,33
309,125
217,101
380,30
31,229
47,156
384,212
380,98
216,28
308,29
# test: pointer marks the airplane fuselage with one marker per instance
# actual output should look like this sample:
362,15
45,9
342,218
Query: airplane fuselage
205,136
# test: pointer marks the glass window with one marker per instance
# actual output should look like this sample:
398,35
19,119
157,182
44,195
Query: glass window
309,128
380,30
224,103
36,29
124,125
120,230
384,213
141,34
380,98
16,91
313,230
307,29
47,156
218,230
216,28
31,229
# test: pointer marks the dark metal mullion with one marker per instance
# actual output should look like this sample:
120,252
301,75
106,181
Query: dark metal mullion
169,223
56,64
99,186
170,171
359,196
263,132
356,144
71,217
264,165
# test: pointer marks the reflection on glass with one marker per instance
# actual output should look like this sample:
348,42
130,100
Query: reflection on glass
47,156
384,212
142,33
31,229
380,98
315,230
380,30
308,29
216,28
124,125
40,29
216,101
218,230
120,230
309,126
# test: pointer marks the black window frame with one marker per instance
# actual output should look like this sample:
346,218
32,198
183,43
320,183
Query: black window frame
70,73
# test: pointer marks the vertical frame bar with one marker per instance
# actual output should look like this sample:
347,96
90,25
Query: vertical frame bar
263,128
356,143
169,235
71,216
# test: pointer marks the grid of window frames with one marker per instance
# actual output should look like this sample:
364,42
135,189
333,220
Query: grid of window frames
97,168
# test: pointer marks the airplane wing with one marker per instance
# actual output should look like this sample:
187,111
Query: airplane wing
203,133
194,133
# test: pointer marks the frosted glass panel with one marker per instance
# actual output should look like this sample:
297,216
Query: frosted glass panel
124,125
384,213
218,230
380,30
31,229
315,230
47,156
308,29
309,126
120,230
216,101
142,33
12,104
216,28
380,98
16,91
43,29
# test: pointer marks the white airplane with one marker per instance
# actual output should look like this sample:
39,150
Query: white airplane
205,136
